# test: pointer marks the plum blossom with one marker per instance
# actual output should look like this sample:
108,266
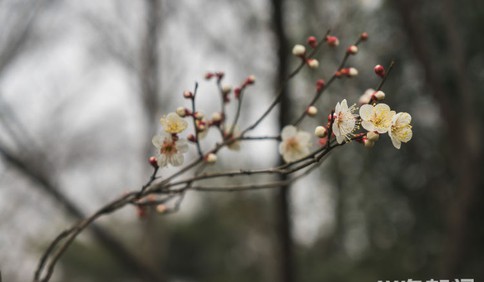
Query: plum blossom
376,118
344,121
170,149
173,123
400,129
295,144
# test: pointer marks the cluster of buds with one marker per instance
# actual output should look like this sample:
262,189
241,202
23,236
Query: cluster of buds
219,75
347,72
148,204
248,81
300,51
371,96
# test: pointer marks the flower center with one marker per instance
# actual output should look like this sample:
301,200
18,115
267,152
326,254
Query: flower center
168,148
292,144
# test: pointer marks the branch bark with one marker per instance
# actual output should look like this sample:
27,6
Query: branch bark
104,237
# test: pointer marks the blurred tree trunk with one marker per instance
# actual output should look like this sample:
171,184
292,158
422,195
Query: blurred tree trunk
149,74
453,93
283,207
152,245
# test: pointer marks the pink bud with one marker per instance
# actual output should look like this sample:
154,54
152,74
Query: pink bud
208,75
312,41
364,36
153,162
353,49
187,94
320,84
379,70
237,92
332,41
192,138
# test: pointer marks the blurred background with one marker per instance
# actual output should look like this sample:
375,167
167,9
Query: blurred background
82,87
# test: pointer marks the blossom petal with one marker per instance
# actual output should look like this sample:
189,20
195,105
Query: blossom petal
162,161
304,137
177,159
404,118
181,145
368,125
340,139
396,143
366,111
381,108
158,141
288,131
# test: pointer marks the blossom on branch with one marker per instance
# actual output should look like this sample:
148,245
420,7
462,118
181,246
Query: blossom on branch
344,121
173,123
376,118
295,144
170,149
400,129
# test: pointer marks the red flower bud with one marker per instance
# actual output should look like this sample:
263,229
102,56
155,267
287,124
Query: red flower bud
187,94
379,70
332,41
192,138
208,75
237,92
153,162
364,36
320,84
312,41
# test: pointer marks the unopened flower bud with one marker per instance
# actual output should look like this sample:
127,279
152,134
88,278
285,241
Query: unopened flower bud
364,36
187,94
352,72
250,79
201,126
366,97
332,41
379,70
373,136
379,95
208,75
141,211
312,111
219,74
192,138
181,111
320,84
321,131
237,92
353,49
161,208
198,115
368,143
312,41
211,158
313,63
153,162
299,50
226,89
216,117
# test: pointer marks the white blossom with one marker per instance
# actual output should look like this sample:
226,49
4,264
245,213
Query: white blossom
376,118
295,144
170,150
173,123
344,121
400,129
